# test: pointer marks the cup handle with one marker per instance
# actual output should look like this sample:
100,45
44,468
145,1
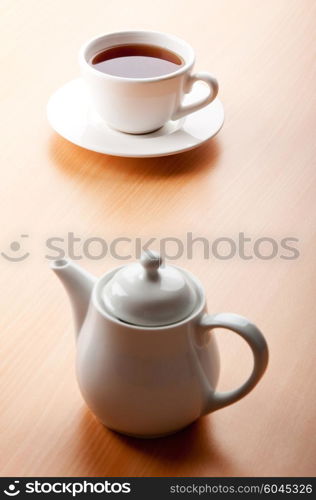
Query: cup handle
252,335
190,108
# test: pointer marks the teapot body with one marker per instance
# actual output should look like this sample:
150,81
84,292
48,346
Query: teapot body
145,381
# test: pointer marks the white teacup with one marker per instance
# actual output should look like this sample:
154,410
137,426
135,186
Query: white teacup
142,105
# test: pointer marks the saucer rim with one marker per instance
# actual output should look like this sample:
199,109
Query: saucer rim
100,150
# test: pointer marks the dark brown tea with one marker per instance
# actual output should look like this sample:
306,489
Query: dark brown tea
136,61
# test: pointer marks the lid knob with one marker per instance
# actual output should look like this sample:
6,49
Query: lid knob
151,261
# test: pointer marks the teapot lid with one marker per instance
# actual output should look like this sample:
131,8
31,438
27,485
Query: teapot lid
146,293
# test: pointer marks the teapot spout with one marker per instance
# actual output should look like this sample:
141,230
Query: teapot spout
78,284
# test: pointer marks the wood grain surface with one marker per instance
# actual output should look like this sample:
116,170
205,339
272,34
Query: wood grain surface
257,177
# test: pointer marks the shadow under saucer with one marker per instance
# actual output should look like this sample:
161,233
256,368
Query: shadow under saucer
74,160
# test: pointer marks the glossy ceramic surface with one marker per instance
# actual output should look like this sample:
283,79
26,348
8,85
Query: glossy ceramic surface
151,381
149,293
71,115
142,105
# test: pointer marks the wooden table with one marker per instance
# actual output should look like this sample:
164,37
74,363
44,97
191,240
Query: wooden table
257,177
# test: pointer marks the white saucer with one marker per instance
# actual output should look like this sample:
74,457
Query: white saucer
71,115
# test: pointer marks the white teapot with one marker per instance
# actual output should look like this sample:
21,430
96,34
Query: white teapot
147,361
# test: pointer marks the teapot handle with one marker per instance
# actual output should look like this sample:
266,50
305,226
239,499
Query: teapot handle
252,335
